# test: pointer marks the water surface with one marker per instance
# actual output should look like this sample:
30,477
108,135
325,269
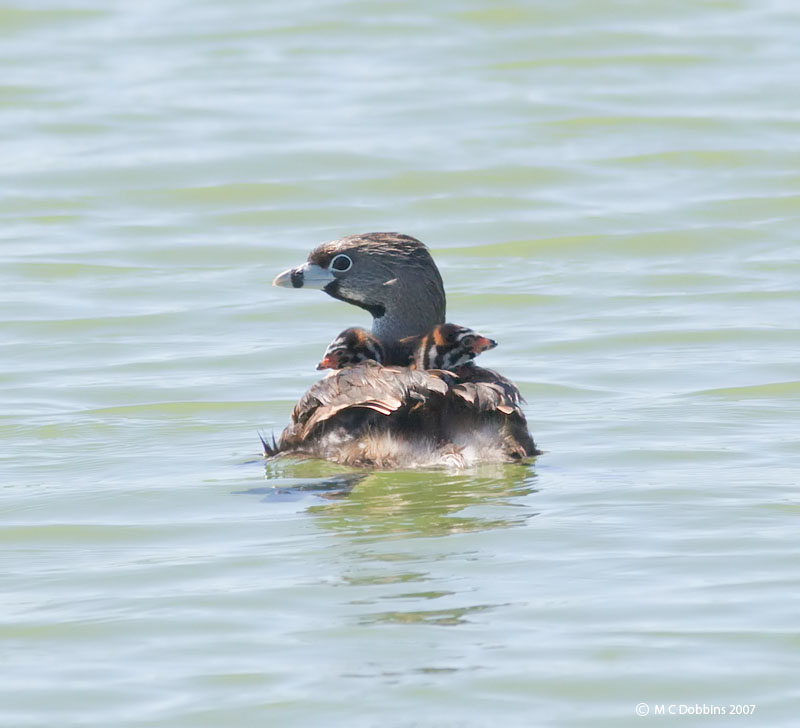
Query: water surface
610,190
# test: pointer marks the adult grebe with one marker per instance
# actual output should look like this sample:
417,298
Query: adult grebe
389,414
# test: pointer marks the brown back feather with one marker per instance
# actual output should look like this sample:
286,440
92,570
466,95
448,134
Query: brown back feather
350,408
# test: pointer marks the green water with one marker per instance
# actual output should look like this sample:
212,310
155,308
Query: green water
611,190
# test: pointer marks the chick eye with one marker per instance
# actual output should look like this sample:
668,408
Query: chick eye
468,340
341,263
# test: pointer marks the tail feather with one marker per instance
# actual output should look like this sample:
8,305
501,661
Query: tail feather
270,449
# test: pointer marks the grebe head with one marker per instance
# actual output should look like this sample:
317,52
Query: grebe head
449,346
352,347
391,275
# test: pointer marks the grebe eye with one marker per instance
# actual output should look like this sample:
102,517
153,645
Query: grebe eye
468,340
341,263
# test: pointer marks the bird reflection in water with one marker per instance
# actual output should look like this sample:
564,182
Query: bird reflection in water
403,503
394,538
